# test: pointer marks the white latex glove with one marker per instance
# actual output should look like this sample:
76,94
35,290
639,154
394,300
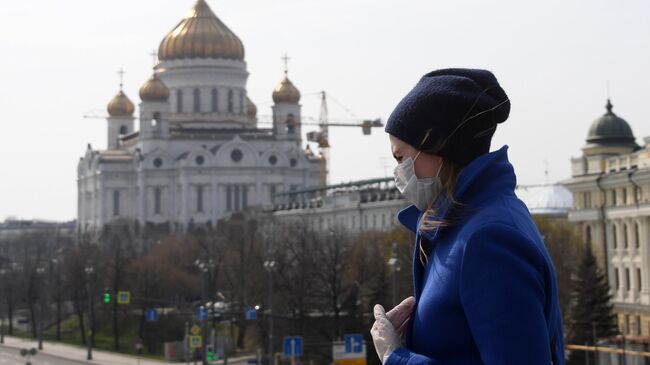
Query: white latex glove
384,336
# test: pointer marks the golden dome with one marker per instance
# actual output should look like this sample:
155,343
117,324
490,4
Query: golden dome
285,92
251,109
120,106
201,35
154,90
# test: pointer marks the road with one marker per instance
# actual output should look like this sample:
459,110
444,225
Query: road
11,356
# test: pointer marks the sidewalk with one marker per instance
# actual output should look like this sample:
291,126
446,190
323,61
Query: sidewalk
100,357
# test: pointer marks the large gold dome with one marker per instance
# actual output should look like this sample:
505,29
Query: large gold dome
154,90
120,106
201,35
286,92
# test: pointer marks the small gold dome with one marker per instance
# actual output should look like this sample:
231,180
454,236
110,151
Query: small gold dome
120,106
251,108
154,90
201,35
285,92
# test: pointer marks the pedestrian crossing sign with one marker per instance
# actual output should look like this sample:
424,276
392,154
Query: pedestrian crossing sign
195,342
123,297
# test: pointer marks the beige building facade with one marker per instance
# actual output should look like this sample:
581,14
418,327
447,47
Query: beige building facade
610,184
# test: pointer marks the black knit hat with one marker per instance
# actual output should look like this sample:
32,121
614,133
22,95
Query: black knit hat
451,113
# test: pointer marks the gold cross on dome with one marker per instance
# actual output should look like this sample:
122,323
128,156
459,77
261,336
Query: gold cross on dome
121,72
286,63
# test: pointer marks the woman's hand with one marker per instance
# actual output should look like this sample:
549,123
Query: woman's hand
384,334
400,315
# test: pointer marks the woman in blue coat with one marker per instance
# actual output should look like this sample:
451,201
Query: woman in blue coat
485,286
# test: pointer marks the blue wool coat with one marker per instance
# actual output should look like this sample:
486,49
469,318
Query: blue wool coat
488,294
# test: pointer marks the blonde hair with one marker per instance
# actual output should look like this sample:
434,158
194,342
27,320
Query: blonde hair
430,222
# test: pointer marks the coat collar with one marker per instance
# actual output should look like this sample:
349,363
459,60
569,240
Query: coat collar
498,173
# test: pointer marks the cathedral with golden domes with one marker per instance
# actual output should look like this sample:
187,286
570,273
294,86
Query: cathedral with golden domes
198,153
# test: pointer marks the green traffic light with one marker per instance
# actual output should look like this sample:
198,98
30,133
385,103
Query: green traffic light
211,356
107,297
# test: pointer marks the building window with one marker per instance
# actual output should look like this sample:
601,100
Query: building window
241,102
236,155
293,162
116,202
273,160
627,324
588,235
199,160
215,100
123,130
614,234
228,198
625,231
179,101
157,197
199,198
244,197
637,235
617,282
627,279
638,325
230,101
638,279
624,202
197,101
236,196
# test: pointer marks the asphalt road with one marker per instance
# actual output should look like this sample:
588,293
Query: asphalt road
11,356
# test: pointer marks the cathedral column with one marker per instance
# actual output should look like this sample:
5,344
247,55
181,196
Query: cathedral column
184,201
214,198
142,200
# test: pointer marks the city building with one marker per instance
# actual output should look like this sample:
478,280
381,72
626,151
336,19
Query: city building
610,184
198,153
11,228
373,204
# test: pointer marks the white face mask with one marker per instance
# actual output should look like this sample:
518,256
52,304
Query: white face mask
417,191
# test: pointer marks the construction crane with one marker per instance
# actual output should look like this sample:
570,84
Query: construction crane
322,135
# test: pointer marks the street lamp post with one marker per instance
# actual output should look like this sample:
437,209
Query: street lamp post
396,266
40,271
89,269
270,265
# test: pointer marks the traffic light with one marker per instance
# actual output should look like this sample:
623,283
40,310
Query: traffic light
107,296
209,352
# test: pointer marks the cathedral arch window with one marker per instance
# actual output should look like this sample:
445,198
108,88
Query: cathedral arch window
627,279
116,202
157,200
614,234
236,155
215,100
123,130
637,235
273,160
199,160
638,279
625,233
293,162
230,101
197,101
179,101
617,282
199,198
241,102
158,162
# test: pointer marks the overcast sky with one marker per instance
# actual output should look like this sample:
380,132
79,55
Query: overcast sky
554,58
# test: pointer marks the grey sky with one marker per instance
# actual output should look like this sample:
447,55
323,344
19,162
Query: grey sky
553,58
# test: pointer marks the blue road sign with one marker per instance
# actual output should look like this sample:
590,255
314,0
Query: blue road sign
292,346
251,314
353,343
152,315
202,314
